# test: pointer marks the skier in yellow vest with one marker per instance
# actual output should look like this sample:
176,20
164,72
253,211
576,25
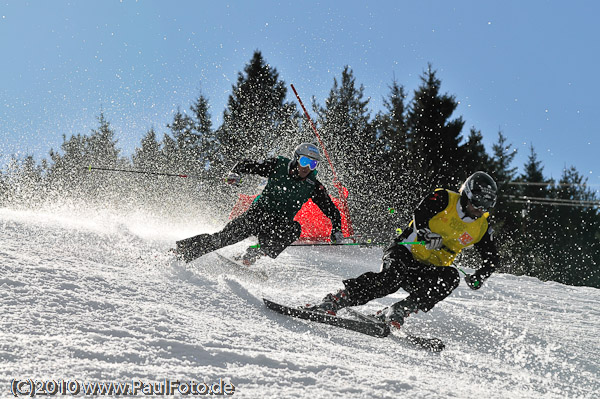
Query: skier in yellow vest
447,222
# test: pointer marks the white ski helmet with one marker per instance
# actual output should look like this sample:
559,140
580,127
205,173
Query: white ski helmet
481,190
309,150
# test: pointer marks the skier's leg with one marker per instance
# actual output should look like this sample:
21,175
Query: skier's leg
429,285
276,233
370,285
235,231
194,247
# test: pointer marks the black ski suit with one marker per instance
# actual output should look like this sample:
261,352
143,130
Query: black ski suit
271,216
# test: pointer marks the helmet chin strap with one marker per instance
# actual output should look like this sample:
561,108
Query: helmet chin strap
464,201
461,209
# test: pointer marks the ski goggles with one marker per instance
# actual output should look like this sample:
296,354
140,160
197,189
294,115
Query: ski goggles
305,161
482,202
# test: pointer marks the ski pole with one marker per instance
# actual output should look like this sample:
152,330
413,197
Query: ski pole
336,182
316,133
365,244
90,168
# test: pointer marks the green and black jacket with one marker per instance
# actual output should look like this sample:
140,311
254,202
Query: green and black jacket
286,192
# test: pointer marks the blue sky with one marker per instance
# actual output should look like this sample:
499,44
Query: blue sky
526,68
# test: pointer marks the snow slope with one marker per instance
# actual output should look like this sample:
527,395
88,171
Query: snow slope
94,298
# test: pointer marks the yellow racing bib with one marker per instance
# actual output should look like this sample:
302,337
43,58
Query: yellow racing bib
456,234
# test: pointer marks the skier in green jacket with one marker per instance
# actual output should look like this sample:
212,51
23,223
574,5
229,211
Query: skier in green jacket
291,182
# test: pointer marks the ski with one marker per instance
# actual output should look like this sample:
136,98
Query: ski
431,344
243,269
375,329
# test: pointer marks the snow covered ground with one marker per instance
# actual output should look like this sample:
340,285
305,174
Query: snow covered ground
94,298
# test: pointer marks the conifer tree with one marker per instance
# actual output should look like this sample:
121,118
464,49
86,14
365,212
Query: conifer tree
257,122
102,145
350,141
148,156
576,247
188,142
389,165
3,189
25,182
196,142
169,154
391,130
433,138
476,157
345,126
503,172
68,171
208,140
506,216
535,235
534,173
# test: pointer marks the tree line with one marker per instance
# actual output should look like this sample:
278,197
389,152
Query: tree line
388,161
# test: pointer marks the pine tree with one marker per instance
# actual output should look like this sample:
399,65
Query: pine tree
68,172
257,122
476,157
3,188
196,141
169,154
534,173
350,141
434,139
25,185
576,246
188,142
394,185
208,140
345,126
535,235
503,173
102,145
506,216
391,130
147,157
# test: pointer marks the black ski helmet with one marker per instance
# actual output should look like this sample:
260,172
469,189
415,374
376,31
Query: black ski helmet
309,150
479,189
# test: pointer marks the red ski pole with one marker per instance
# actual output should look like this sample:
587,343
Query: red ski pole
336,182
316,134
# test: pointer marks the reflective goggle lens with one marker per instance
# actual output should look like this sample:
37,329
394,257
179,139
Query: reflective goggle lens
482,202
306,161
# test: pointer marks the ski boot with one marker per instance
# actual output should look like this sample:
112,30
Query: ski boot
331,303
194,247
251,256
394,315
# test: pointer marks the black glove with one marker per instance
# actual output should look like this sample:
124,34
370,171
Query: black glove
474,281
233,178
337,237
432,240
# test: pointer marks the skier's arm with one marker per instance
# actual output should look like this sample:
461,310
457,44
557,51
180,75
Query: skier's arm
251,167
489,254
324,202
